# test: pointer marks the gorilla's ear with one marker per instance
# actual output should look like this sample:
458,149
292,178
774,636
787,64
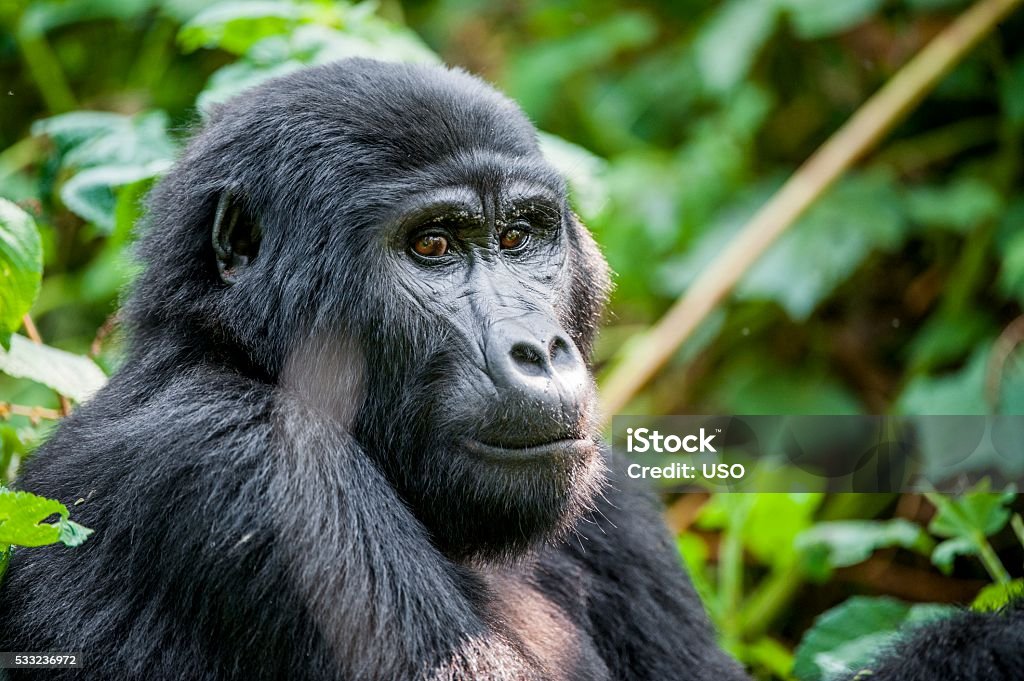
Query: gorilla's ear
236,237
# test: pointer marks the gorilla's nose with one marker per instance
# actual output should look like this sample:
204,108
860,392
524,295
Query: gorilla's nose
533,362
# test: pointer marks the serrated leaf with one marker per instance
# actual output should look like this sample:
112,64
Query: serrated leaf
850,636
21,521
21,267
71,375
850,542
977,511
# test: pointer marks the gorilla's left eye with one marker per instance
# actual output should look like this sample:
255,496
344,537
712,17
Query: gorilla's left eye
514,238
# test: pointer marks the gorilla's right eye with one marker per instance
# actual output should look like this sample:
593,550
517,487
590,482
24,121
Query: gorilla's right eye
430,245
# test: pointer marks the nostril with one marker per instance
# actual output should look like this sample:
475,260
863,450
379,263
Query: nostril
560,351
556,347
528,359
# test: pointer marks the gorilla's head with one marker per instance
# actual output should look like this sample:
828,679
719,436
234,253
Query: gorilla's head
388,243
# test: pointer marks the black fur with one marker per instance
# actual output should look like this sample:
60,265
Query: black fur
282,477
276,476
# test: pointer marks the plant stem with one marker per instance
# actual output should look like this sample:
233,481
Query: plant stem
46,72
851,142
990,560
1018,527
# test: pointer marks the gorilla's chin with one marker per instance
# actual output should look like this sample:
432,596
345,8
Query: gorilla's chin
493,503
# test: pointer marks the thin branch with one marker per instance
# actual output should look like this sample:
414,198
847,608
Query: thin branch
34,414
858,136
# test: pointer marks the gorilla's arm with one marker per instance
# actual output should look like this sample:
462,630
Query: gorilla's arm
239,535
643,612
968,647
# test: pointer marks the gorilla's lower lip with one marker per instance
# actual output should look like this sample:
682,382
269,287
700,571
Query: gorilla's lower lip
567,446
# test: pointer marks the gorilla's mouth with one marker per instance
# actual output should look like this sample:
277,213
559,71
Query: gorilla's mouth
543,450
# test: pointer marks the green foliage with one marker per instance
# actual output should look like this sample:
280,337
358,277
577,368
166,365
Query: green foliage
966,523
900,290
22,517
21,263
830,545
848,637
72,375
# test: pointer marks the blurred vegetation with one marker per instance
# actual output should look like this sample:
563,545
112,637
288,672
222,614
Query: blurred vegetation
900,291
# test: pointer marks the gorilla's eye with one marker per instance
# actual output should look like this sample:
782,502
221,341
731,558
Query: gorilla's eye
431,245
513,238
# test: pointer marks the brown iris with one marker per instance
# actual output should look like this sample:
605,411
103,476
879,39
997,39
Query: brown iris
513,238
431,245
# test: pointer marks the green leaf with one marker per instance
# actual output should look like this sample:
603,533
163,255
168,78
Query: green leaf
728,44
20,516
976,511
21,521
946,552
959,206
996,596
819,18
92,195
958,392
71,375
237,26
847,638
850,542
21,267
312,45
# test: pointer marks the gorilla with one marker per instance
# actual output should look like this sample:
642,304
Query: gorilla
354,437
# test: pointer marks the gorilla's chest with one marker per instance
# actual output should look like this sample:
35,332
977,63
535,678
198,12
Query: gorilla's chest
547,629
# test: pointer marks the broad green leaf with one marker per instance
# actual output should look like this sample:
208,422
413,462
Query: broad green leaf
21,267
947,337
959,206
957,392
71,129
850,542
819,18
728,44
860,215
92,195
847,638
71,375
996,596
826,246
21,521
237,26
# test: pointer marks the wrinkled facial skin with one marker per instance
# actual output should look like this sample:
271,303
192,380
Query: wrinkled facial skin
498,447
388,243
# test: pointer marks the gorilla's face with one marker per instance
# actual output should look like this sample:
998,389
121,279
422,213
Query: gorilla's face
492,439
388,241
